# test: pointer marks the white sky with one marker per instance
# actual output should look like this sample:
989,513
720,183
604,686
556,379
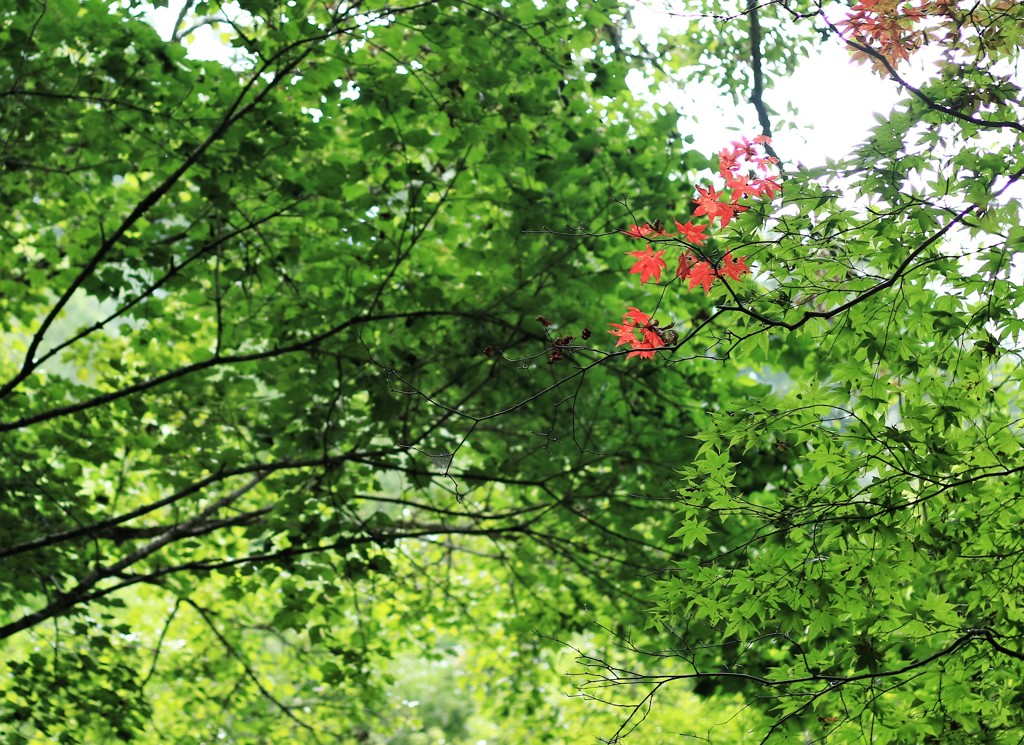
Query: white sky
836,99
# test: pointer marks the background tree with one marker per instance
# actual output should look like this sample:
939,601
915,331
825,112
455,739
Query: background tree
279,429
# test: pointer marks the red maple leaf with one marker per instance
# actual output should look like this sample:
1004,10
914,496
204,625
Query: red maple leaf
686,262
649,264
642,231
743,148
708,204
768,186
741,187
645,350
624,332
886,28
727,162
638,317
692,233
727,214
651,337
638,231
634,320
703,274
707,201
733,268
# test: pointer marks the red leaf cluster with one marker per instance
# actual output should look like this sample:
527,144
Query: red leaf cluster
636,321
746,168
709,203
645,230
692,233
746,154
887,27
701,272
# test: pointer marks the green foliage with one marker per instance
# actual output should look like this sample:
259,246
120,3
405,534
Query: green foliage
276,408
302,437
719,43
869,590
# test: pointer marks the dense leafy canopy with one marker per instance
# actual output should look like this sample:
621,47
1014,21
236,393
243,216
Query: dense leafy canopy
255,461
305,433
872,591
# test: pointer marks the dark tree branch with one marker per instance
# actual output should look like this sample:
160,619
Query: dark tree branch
120,535
905,266
287,60
214,362
757,92
928,101
106,526
601,674
66,601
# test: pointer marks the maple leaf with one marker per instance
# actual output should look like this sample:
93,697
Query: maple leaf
686,262
708,204
634,320
645,350
737,209
652,337
649,264
745,148
727,163
741,187
729,213
707,201
692,233
885,28
637,231
703,274
733,268
768,186
624,332
638,317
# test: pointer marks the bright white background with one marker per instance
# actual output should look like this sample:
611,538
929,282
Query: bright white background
837,100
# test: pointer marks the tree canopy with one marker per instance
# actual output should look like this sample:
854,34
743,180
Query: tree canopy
311,427
870,591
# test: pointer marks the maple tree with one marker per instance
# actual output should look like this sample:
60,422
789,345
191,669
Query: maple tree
886,33
870,589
